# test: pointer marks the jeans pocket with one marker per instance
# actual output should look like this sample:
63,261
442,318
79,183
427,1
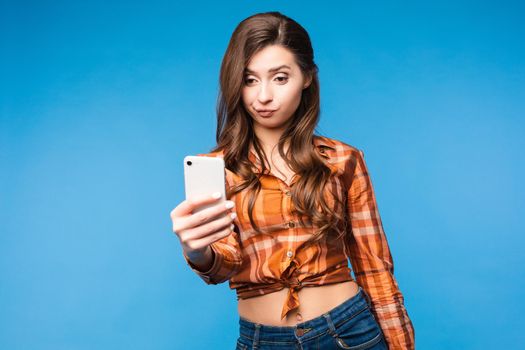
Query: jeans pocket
361,331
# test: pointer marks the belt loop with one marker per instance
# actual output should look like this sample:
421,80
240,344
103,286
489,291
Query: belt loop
256,336
331,327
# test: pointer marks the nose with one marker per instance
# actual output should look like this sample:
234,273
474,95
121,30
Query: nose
265,94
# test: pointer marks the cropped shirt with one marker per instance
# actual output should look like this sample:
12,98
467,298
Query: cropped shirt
282,256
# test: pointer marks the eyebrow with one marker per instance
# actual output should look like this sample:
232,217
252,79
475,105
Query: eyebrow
271,70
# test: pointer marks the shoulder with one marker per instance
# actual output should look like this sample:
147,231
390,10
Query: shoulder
343,156
337,150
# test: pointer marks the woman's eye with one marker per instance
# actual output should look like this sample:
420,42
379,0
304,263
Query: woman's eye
281,79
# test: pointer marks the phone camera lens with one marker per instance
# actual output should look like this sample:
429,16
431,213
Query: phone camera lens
188,162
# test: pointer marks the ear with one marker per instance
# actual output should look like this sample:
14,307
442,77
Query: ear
308,81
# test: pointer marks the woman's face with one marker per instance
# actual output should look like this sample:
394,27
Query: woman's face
272,81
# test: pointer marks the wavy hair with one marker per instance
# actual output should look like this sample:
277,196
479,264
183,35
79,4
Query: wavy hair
235,131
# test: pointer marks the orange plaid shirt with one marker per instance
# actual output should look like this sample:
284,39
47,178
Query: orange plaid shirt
257,264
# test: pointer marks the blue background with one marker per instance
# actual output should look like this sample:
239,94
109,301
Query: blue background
101,100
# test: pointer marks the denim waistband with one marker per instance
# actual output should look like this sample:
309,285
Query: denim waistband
311,328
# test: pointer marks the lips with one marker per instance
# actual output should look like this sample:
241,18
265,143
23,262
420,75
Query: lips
266,112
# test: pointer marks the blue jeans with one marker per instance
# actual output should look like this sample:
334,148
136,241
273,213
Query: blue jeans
350,325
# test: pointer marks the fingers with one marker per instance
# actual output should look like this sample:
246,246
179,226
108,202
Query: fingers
209,228
205,215
189,205
200,243
207,225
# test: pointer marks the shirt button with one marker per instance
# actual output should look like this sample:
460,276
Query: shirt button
289,253
288,193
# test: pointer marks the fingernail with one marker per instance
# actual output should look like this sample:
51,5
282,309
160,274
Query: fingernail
216,195
232,226
229,204
233,215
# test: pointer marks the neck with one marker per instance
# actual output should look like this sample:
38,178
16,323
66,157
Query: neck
269,139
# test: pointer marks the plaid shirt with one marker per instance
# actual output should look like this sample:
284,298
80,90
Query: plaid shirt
257,264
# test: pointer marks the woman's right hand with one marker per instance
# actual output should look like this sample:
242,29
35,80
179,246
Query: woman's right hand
196,231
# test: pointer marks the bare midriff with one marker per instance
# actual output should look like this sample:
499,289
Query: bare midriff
314,301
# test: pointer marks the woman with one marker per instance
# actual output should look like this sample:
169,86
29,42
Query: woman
300,205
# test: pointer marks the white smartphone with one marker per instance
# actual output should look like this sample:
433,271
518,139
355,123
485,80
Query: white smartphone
204,176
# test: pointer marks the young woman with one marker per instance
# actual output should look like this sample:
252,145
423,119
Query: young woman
300,205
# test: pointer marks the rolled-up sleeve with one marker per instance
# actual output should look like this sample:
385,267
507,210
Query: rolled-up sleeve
227,260
372,261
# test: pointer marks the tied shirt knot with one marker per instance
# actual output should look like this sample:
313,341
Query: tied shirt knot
294,284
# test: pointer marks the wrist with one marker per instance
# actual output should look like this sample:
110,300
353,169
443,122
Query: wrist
201,258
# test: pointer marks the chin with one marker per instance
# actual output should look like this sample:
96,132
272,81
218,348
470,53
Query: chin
271,124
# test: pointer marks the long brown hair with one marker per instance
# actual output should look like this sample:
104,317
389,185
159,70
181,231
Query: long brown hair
235,130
